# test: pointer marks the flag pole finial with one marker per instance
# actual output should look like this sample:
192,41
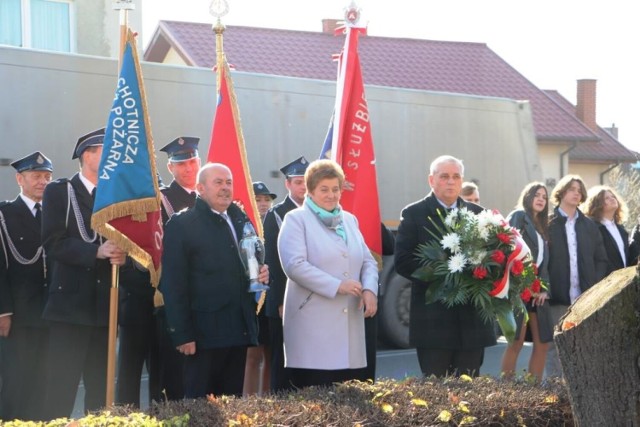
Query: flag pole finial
218,9
352,14
123,4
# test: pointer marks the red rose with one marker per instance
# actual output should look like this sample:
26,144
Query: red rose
479,272
517,267
535,286
526,295
498,256
504,238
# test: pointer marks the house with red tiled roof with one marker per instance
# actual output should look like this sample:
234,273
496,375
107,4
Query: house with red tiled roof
569,139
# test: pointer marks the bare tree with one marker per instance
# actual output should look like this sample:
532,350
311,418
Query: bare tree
626,181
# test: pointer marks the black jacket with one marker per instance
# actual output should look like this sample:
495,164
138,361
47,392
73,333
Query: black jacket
435,325
592,258
79,282
634,245
204,281
614,259
278,278
178,199
23,287
520,220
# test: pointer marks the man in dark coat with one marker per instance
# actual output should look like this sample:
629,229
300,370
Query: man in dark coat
165,362
211,314
448,341
294,181
78,304
23,291
577,257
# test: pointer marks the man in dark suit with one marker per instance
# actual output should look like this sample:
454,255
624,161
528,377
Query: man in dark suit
448,341
78,304
166,363
210,313
294,181
23,291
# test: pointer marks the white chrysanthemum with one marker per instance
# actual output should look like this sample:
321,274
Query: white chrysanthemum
456,263
449,219
496,218
483,233
451,241
485,218
477,257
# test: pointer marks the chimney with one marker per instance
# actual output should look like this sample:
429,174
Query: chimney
329,25
586,103
613,130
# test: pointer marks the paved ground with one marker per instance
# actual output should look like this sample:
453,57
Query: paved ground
397,364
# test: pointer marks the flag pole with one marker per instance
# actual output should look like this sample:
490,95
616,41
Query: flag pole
123,6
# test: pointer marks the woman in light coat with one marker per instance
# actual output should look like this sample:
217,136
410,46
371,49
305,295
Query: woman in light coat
332,283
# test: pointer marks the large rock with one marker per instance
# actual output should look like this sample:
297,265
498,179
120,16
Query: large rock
599,348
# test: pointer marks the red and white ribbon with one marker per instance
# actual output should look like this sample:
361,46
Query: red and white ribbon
521,250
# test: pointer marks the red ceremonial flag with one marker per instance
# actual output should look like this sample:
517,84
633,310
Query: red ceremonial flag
352,145
227,144
127,204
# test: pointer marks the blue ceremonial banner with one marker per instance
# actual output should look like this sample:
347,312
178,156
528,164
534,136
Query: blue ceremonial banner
125,170
325,152
127,203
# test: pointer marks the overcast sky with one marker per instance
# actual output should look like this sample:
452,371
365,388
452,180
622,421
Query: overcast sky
553,43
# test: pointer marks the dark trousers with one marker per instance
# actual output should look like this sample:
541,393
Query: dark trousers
443,362
320,377
169,365
371,339
23,373
215,371
135,342
280,376
75,351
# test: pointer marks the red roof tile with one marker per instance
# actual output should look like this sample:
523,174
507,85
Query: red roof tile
457,67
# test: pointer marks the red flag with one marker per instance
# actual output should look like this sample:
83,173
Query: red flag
352,145
227,145
127,204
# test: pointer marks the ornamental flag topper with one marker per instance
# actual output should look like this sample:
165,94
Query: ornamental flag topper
352,14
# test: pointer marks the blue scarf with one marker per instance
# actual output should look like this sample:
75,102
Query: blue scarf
331,220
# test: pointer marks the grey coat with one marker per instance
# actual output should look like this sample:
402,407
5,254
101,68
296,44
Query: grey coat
322,329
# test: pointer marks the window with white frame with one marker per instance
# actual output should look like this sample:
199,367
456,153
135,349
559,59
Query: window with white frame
39,24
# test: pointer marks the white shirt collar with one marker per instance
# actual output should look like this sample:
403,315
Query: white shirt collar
188,190
444,205
294,202
88,184
564,214
27,201
606,222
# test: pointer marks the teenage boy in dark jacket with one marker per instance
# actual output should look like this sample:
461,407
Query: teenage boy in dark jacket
577,258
